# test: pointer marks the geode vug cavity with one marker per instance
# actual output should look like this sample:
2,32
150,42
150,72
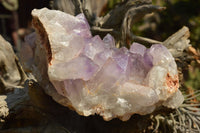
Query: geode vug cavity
98,78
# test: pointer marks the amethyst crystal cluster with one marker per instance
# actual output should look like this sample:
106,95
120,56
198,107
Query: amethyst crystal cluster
98,78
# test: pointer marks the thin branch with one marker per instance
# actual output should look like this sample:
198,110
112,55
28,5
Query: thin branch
143,40
78,6
95,28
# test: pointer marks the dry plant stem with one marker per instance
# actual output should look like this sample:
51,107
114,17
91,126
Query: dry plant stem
11,73
78,5
136,14
21,71
119,12
143,40
181,34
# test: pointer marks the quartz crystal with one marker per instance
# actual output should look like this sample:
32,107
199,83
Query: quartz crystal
98,78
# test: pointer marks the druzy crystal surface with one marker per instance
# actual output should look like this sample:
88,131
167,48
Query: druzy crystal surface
98,78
